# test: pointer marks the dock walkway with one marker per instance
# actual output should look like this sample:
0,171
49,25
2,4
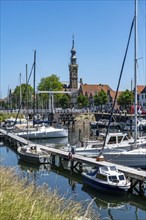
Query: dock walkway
129,171
136,175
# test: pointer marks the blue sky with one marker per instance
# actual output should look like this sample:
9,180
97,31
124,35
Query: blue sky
101,30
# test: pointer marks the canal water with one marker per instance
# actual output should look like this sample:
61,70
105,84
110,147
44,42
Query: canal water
69,184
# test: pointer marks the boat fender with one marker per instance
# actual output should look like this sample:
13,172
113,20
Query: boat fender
100,158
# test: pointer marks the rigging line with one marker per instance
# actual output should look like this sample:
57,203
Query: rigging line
110,119
22,77
23,95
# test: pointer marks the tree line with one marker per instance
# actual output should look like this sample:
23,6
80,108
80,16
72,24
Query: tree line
23,96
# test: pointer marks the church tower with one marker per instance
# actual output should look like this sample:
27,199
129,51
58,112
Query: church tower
73,68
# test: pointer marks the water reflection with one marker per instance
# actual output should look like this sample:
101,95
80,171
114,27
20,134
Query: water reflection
102,201
51,141
69,184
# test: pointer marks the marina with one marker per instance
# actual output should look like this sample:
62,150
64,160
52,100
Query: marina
78,140
137,177
69,184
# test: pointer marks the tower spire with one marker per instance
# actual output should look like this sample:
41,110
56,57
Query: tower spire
73,52
73,41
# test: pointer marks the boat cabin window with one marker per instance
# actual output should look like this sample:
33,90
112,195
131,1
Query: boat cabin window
94,146
113,168
112,140
104,169
119,138
126,138
121,177
113,179
101,177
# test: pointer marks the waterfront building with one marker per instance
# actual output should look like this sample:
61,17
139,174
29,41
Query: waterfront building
141,96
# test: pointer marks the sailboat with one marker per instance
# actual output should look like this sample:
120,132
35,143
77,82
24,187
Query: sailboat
135,157
31,153
44,131
117,147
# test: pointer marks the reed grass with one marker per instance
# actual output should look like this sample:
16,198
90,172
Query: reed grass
22,201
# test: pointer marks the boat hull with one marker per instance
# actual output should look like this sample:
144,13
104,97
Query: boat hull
33,158
44,134
130,160
102,186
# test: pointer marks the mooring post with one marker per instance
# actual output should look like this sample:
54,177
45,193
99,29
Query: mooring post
83,128
71,164
53,159
60,161
141,188
79,134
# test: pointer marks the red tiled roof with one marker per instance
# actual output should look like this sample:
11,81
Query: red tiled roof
140,88
92,89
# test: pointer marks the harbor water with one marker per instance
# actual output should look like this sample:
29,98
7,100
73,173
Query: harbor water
69,184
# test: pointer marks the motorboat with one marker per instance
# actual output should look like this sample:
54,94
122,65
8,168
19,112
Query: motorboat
34,154
43,132
130,124
103,123
107,178
116,140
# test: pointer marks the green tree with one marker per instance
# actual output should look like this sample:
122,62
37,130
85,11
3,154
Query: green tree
100,98
17,95
125,99
64,101
51,83
82,101
4,105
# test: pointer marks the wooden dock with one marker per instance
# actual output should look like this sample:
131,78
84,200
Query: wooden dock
136,176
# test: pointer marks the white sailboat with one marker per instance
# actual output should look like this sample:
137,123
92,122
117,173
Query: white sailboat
117,147
44,132
135,157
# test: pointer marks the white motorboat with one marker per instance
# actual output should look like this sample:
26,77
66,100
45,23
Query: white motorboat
34,154
107,178
44,132
118,140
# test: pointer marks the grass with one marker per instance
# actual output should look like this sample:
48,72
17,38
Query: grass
28,202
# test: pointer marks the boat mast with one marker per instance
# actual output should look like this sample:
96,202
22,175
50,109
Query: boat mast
135,73
20,92
34,95
27,100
